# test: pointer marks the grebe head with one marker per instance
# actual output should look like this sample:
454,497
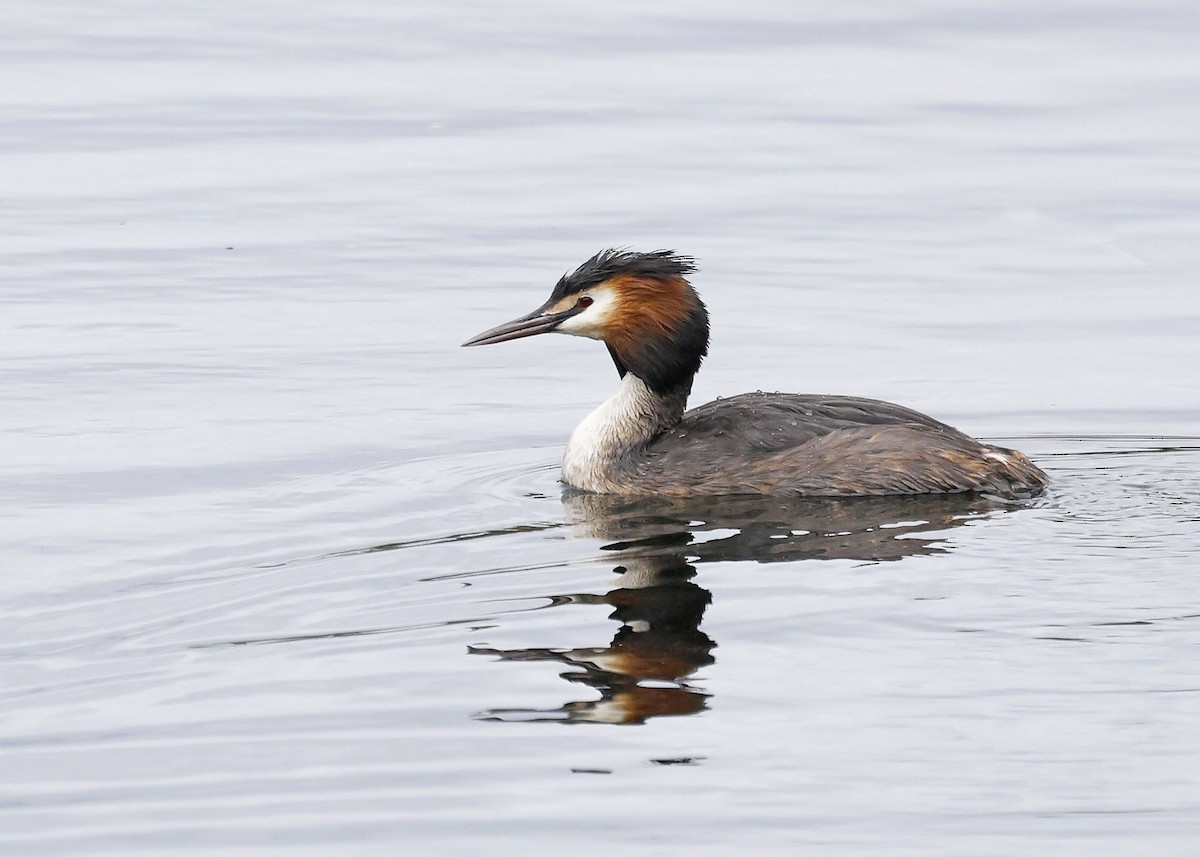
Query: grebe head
640,305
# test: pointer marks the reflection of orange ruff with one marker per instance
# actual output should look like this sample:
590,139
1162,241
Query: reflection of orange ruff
637,704
643,662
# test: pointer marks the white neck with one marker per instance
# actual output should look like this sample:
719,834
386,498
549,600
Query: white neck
610,434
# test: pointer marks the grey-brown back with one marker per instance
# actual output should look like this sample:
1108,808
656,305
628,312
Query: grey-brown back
814,445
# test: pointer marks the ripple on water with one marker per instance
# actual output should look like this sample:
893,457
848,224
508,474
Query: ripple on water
1130,491
462,606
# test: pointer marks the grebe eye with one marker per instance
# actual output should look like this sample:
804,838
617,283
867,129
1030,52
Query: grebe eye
584,302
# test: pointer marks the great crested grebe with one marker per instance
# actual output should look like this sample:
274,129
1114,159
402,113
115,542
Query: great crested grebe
641,442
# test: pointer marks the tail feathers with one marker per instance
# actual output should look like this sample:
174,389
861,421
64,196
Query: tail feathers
1014,476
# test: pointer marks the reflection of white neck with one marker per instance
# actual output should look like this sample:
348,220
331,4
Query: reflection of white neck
632,416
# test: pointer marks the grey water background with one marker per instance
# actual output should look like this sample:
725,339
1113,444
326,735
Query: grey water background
287,570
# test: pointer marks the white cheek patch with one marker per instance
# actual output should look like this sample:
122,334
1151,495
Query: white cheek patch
593,320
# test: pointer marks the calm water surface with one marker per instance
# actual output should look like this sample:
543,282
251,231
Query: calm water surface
286,570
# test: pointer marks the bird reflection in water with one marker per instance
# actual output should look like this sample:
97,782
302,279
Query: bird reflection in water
647,669
659,641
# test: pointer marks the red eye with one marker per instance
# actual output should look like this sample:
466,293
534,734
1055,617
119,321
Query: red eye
584,301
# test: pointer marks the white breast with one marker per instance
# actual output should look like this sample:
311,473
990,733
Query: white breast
625,420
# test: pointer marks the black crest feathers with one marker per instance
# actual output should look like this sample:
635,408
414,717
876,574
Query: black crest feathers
656,265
